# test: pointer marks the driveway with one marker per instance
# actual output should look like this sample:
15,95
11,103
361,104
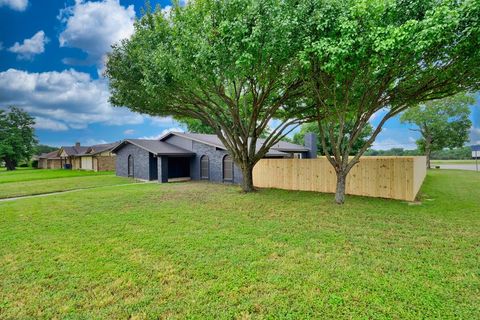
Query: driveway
470,167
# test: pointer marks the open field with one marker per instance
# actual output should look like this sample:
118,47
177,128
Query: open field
436,162
200,250
32,182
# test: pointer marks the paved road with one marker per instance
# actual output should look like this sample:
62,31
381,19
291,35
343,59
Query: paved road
470,167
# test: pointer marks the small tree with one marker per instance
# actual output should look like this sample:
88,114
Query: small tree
313,127
366,58
17,137
229,64
442,123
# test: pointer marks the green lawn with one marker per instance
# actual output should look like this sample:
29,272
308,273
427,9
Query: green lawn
204,251
28,174
32,182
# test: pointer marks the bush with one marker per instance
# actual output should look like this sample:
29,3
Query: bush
35,164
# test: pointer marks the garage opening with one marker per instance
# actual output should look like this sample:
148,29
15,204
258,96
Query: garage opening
178,167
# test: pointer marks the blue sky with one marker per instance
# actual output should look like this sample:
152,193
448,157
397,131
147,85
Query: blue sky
51,60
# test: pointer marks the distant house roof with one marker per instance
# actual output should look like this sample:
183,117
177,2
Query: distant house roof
49,155
74,150
278,149
88,150
156,147
99,148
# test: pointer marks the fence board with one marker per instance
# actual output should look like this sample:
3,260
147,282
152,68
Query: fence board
383,177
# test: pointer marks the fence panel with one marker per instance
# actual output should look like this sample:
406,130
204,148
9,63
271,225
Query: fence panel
383,177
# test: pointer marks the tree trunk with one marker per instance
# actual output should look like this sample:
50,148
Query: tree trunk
428,154
341,184
428,150
10,164
247,181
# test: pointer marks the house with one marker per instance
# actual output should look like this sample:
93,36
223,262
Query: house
50,160
97,158
193,156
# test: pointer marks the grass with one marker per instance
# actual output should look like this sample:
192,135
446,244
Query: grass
203,251
32,182
28,174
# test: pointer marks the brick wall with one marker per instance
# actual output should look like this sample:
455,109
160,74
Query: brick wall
105,163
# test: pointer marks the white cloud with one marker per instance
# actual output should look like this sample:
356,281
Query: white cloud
18,5
129,132
92,142
95,26
475,135
162,121
71,97
158,136
389,143
49,124
30,47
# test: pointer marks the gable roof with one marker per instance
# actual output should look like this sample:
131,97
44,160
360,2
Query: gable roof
156,147
280,148
99,148
49,155
74,150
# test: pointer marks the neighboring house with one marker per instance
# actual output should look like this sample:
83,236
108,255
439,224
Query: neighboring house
96,158
193,156
50,160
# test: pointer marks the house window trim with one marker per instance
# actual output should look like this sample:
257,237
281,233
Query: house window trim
132,174
208,167
223,169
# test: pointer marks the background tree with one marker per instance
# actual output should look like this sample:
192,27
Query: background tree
313,127
375,56
442,123
41,148
229,64
17,137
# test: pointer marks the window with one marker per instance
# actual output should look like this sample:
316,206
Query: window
227,168
130,166
204,168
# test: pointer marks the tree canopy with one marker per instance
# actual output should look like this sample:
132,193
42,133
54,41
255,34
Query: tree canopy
230,64
17,137
441,123
381,57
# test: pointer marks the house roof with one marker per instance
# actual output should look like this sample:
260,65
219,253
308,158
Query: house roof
99,148
49,155
279,149
156,147
74,150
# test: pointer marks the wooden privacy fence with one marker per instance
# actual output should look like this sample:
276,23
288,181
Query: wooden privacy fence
383,177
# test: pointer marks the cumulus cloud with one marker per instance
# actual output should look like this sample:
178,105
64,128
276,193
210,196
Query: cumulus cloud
71,97
94,27
475,135
18,5
158,136
49,124
129,132
389,143
30,47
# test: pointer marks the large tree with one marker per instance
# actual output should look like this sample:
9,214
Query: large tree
376,57
17,137
229,64
441,123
